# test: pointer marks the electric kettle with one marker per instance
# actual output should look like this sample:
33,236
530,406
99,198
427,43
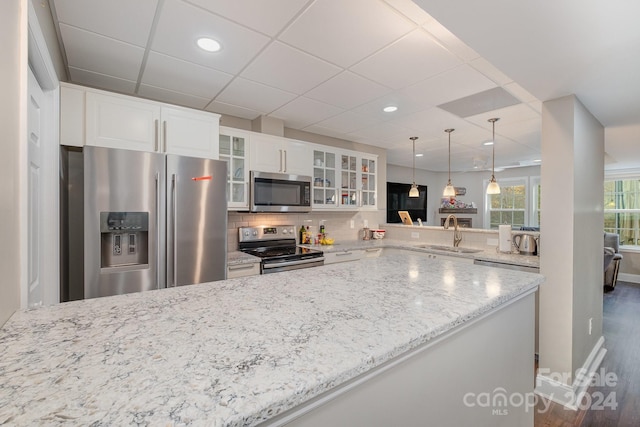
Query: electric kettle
525,243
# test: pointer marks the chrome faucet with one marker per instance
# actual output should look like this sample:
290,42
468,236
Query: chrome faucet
457,234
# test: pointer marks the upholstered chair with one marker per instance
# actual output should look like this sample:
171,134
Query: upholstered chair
612,240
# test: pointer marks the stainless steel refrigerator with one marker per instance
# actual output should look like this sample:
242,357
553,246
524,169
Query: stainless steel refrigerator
150,221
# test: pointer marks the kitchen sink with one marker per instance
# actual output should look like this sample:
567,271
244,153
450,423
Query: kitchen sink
451,249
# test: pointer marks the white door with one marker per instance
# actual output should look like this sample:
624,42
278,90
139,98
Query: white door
35,208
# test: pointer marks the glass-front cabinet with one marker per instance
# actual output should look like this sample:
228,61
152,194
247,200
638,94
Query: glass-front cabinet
343,179
234,149
325,192
368,181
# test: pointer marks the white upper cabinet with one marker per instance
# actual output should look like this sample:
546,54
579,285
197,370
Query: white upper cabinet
119,122
234,149
99,118
280,155
190,132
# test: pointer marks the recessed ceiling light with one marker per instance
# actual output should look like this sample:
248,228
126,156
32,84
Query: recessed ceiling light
210,45
488,143
390,109
419,155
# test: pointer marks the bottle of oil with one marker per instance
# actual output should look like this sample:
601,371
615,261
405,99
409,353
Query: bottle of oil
302,233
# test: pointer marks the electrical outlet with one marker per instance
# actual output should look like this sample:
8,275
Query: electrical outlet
352,224
415,235
366,223
590,325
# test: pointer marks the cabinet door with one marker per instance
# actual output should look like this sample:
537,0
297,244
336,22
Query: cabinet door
234,149
118,122
348,181
325,193
190,133
368,182
266,153
297,157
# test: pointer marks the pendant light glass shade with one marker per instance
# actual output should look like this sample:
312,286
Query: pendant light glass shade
449,190
413,192
493,187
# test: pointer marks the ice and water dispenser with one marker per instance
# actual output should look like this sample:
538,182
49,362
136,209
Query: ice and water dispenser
124,239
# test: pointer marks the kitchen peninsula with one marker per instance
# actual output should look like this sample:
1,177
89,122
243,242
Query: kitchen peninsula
396,335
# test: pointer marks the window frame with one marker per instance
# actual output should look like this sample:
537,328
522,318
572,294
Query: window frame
507,182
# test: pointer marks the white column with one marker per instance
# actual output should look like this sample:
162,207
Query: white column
572,187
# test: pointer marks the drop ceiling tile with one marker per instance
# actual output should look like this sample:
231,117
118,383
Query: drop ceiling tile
411,10
486,68
344,33
509,115
289,69
101,81
268,17
433,122
481,102
449,86
450,41
413,58
407,104
174,74
232,110
347,122
302,112
93,52
347,90
519,92
385,132
124,20
254,96
171,97
181,24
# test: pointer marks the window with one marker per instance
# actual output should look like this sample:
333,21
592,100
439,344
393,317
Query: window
534,217
622,209
510,206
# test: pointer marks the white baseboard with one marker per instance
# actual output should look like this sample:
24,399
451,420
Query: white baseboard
565,394
626,277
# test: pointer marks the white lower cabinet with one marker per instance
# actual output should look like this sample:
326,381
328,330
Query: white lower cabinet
243,270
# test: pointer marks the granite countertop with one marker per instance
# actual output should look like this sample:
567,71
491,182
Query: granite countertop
237,257
234,352
486,254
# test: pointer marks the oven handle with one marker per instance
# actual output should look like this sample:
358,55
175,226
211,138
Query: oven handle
296,262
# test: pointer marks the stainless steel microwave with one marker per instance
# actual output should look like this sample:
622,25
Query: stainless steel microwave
277,192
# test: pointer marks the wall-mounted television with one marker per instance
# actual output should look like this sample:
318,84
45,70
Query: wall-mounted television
398,200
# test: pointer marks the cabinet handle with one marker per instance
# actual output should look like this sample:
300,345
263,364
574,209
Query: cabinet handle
343,253
372,250
281,162
241,267
164,135
285,159
155,139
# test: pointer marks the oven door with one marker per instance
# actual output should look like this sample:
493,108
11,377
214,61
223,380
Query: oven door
276,192
274,266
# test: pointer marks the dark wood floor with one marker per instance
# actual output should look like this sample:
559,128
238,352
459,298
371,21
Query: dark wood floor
621,328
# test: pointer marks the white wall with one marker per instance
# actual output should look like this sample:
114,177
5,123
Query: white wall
13,75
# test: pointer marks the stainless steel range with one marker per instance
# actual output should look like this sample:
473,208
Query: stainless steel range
276,246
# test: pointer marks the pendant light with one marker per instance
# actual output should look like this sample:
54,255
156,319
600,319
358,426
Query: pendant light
414,188
493,187
449,190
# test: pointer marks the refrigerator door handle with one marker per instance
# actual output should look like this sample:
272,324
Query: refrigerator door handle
155,139
174,253
164,135
158,219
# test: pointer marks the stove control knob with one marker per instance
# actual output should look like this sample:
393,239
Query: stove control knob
246,233
285,231
255,232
